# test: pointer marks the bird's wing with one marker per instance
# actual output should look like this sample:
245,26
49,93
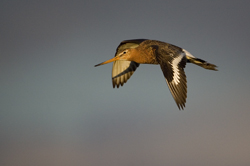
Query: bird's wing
172,64
133,43
123,70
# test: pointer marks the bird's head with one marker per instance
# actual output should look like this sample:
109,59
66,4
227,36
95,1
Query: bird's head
126,55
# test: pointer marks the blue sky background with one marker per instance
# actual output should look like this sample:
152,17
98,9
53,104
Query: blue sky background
56,108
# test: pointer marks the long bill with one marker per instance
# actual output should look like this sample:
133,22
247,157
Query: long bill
108,61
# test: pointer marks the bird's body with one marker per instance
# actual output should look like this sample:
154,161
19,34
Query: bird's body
172,59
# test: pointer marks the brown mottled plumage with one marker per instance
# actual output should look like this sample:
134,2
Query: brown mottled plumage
172,60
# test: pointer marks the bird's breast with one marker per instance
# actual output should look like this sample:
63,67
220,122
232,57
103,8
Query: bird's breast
145,56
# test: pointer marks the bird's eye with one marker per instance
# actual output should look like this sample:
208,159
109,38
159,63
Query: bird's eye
124,52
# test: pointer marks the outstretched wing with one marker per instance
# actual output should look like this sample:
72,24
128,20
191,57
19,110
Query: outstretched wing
173,62
123,70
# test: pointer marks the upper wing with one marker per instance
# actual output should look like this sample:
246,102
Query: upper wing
123,70
172,63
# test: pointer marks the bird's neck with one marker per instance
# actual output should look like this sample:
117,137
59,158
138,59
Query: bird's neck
144,56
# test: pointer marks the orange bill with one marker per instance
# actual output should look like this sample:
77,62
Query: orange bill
108,61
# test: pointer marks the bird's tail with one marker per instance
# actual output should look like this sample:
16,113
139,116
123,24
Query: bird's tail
199,62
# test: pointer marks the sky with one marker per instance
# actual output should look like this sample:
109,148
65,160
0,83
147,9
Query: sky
57,109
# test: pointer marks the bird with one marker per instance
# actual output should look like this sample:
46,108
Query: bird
172,60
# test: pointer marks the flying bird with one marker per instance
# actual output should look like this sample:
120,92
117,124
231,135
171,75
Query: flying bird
172,60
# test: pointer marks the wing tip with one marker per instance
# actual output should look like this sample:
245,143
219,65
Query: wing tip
181,106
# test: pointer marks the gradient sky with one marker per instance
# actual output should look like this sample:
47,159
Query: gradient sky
57,109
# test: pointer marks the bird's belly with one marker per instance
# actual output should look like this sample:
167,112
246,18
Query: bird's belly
147,61
153,61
